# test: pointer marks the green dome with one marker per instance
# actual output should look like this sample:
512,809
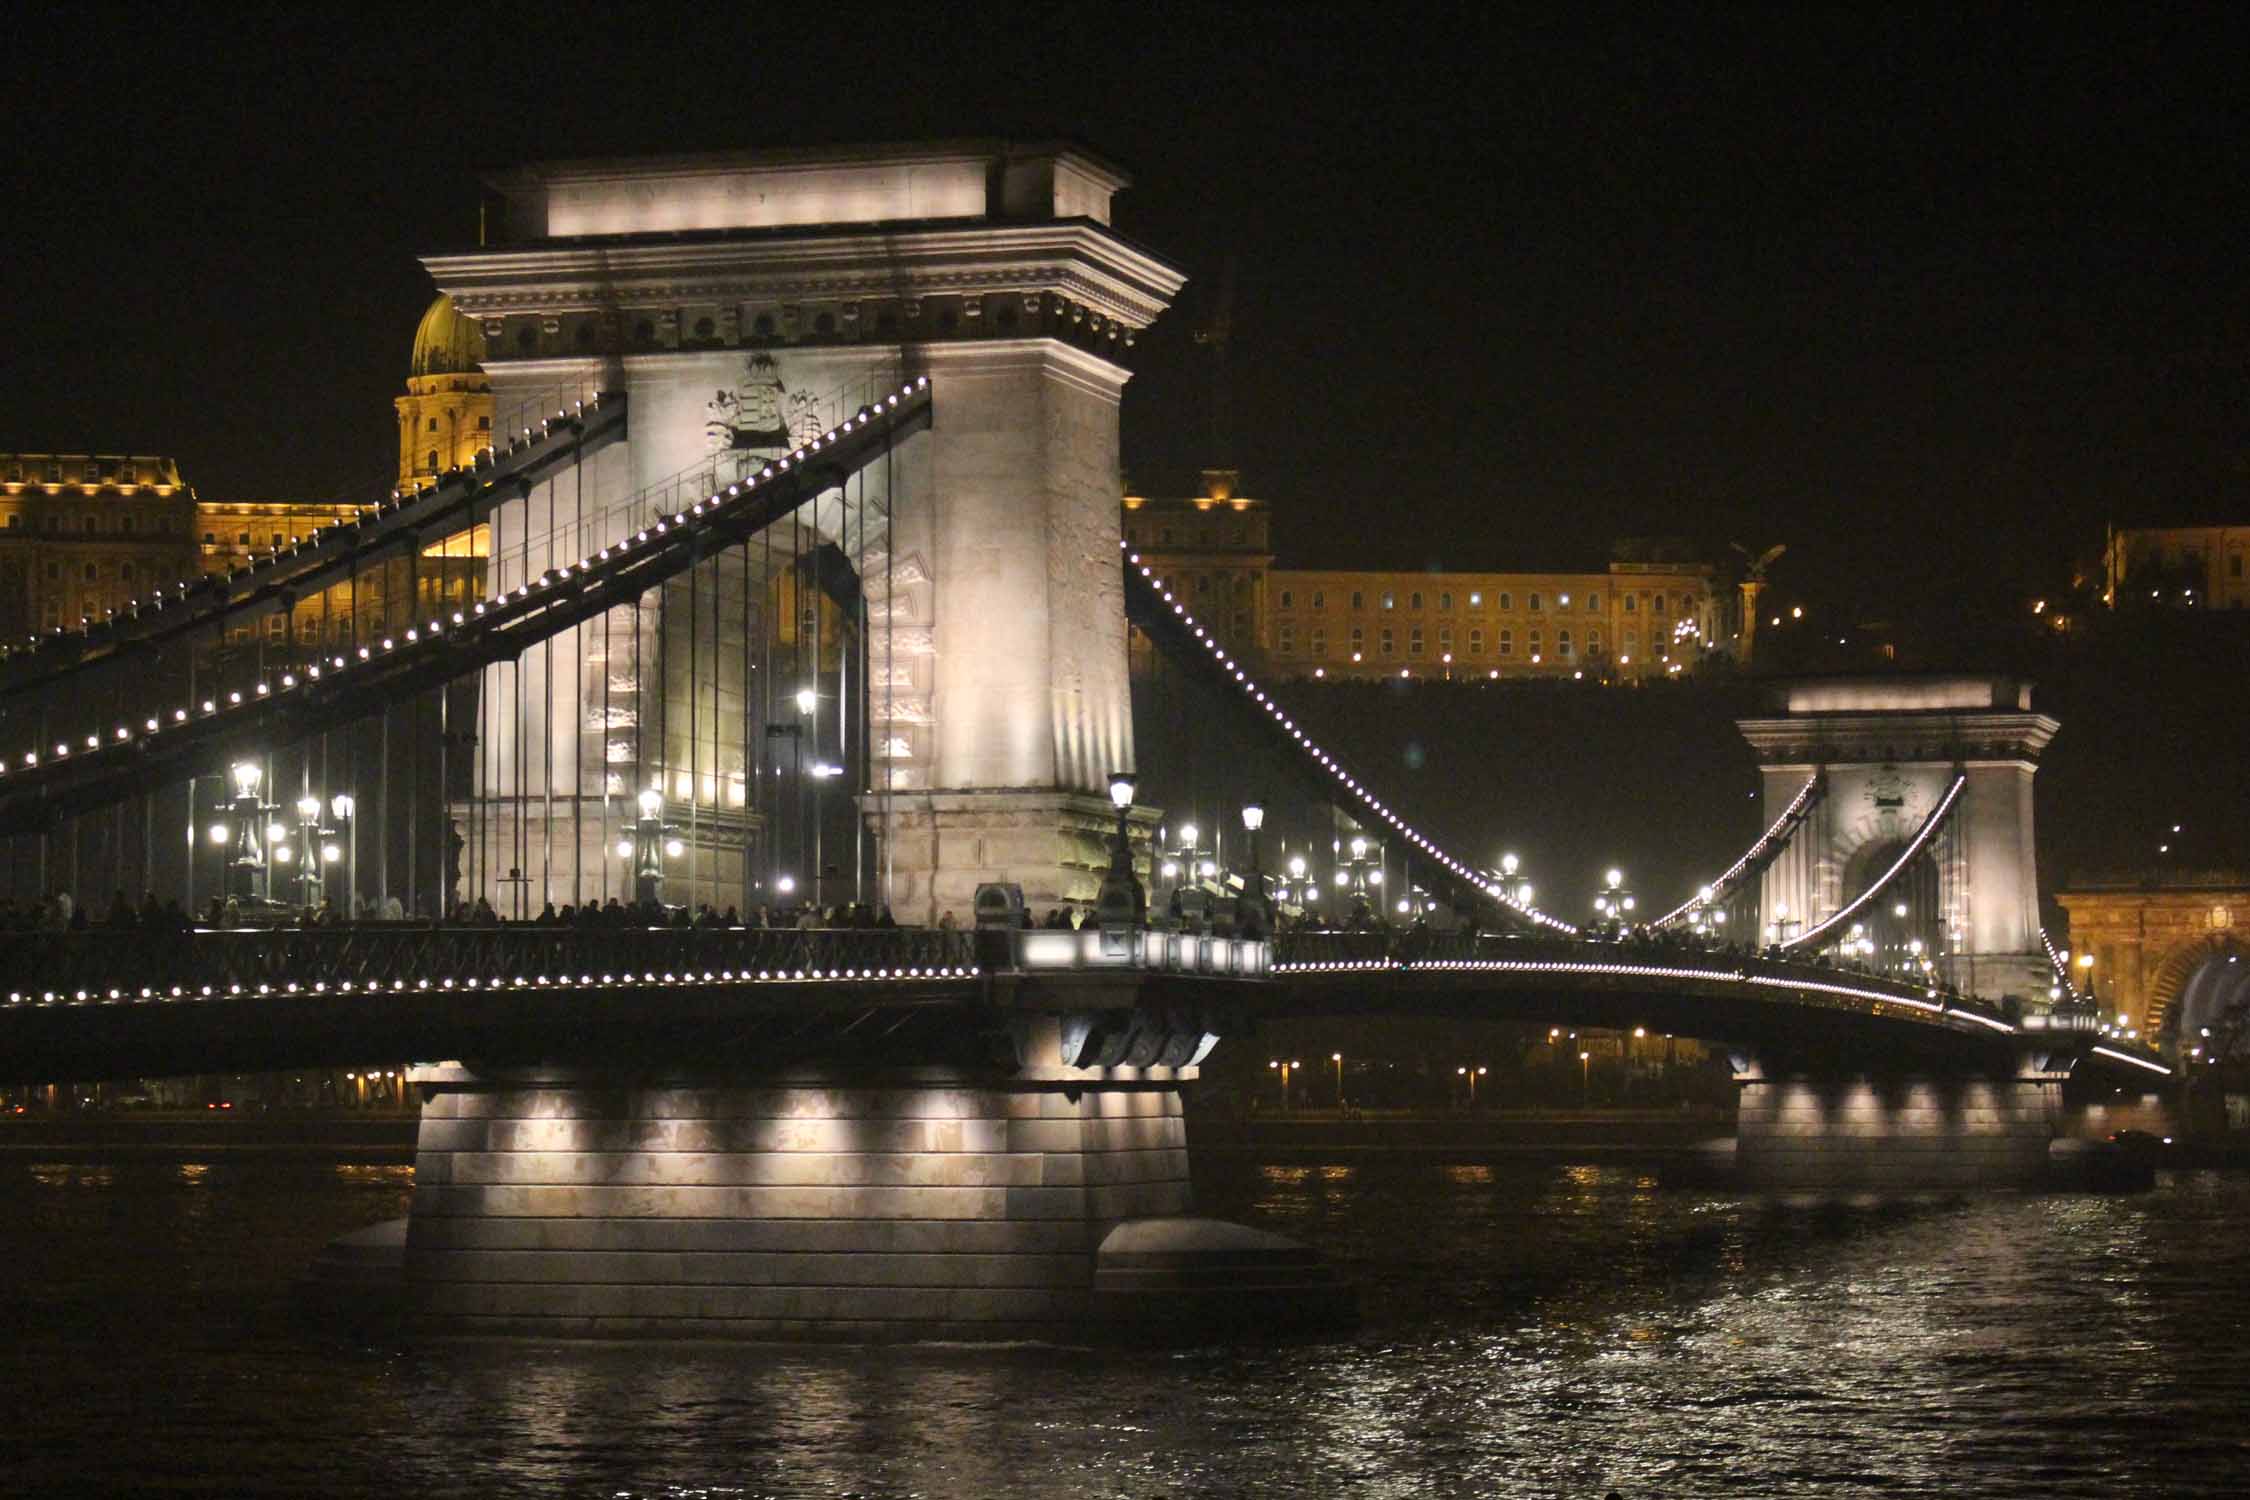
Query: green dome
446,343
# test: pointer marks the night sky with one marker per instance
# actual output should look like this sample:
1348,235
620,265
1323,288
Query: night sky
1921,297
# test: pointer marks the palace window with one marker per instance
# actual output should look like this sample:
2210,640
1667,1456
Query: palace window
1593,642
128,474
277,628
484,424
1632,637
429,460
1386,641
1414,641
1476,641
54,471
1359,600
1532,640
1445,639
91,575
1656,605
1532,604
433,424
1359,639
1319,641
210,539
1414,601
1390,600
1320,600
1594,604
242,539
1631,600
1445,603
277,541
1286,638
1288,601
1507,601
93,473
1507,642
1562,643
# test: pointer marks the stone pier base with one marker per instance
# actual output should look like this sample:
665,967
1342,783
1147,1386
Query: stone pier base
1913,1133
910,1206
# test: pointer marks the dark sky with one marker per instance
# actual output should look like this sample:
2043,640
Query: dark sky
1915,294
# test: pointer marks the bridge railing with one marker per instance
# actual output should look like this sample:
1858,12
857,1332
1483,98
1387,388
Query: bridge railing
145,964
1093,947
1344,951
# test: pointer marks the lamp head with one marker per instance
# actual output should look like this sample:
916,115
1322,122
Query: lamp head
247,774
1253,816
341,805
1296,867
651,801
1615,878
1187,835
308,808
1508,863
806,698
1120,789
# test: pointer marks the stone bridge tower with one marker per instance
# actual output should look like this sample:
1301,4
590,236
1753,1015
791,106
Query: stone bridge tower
739,298
1890,748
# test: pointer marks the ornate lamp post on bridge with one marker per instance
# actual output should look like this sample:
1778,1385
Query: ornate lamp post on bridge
1250,910
650,844
1121,902
1615,904
246,859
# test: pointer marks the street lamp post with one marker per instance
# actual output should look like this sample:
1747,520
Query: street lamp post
246,862
1121,903
648,848
1338,1059
1284,1068
1250,911
342,807
1586,1077
1472,1074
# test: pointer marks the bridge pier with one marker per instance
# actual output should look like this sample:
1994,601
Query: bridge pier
1827,1132
820,1203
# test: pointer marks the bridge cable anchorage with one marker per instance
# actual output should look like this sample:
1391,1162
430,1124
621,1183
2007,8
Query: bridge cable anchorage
1761,853
1914,846
1167,623
273,579
204,739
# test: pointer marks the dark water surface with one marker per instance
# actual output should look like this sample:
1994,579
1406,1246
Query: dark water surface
1532,1330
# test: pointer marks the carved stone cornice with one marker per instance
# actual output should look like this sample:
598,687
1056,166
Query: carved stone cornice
1975,738
1077,260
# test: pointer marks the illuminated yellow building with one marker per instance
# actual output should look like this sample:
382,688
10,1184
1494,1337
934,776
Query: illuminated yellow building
445,417
2200,567
80,533
1651,612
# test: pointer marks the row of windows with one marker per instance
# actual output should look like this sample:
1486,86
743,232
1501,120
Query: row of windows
1535,601
1504,641
88,473
125,572
1205,536
92,524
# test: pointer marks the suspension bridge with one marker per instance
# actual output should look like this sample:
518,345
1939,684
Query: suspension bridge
799,578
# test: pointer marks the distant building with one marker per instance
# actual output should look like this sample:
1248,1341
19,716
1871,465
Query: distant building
80,533
1653,611
2198,567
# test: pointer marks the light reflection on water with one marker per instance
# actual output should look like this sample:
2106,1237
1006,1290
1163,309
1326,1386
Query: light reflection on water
1534,1330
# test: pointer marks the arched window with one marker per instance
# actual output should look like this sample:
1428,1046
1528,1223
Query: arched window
1631,602
1533,604
1414,601
429,461
1507,601
433,424
1594,603
91,573
1562,643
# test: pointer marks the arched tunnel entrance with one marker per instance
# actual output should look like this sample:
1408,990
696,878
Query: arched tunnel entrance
1907,922
2203,993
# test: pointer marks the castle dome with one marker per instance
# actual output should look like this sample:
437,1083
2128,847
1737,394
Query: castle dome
445,343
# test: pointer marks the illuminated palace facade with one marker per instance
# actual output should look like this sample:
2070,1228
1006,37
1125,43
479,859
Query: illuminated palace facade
83,533
1650,613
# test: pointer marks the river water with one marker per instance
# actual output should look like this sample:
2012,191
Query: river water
1531,1329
